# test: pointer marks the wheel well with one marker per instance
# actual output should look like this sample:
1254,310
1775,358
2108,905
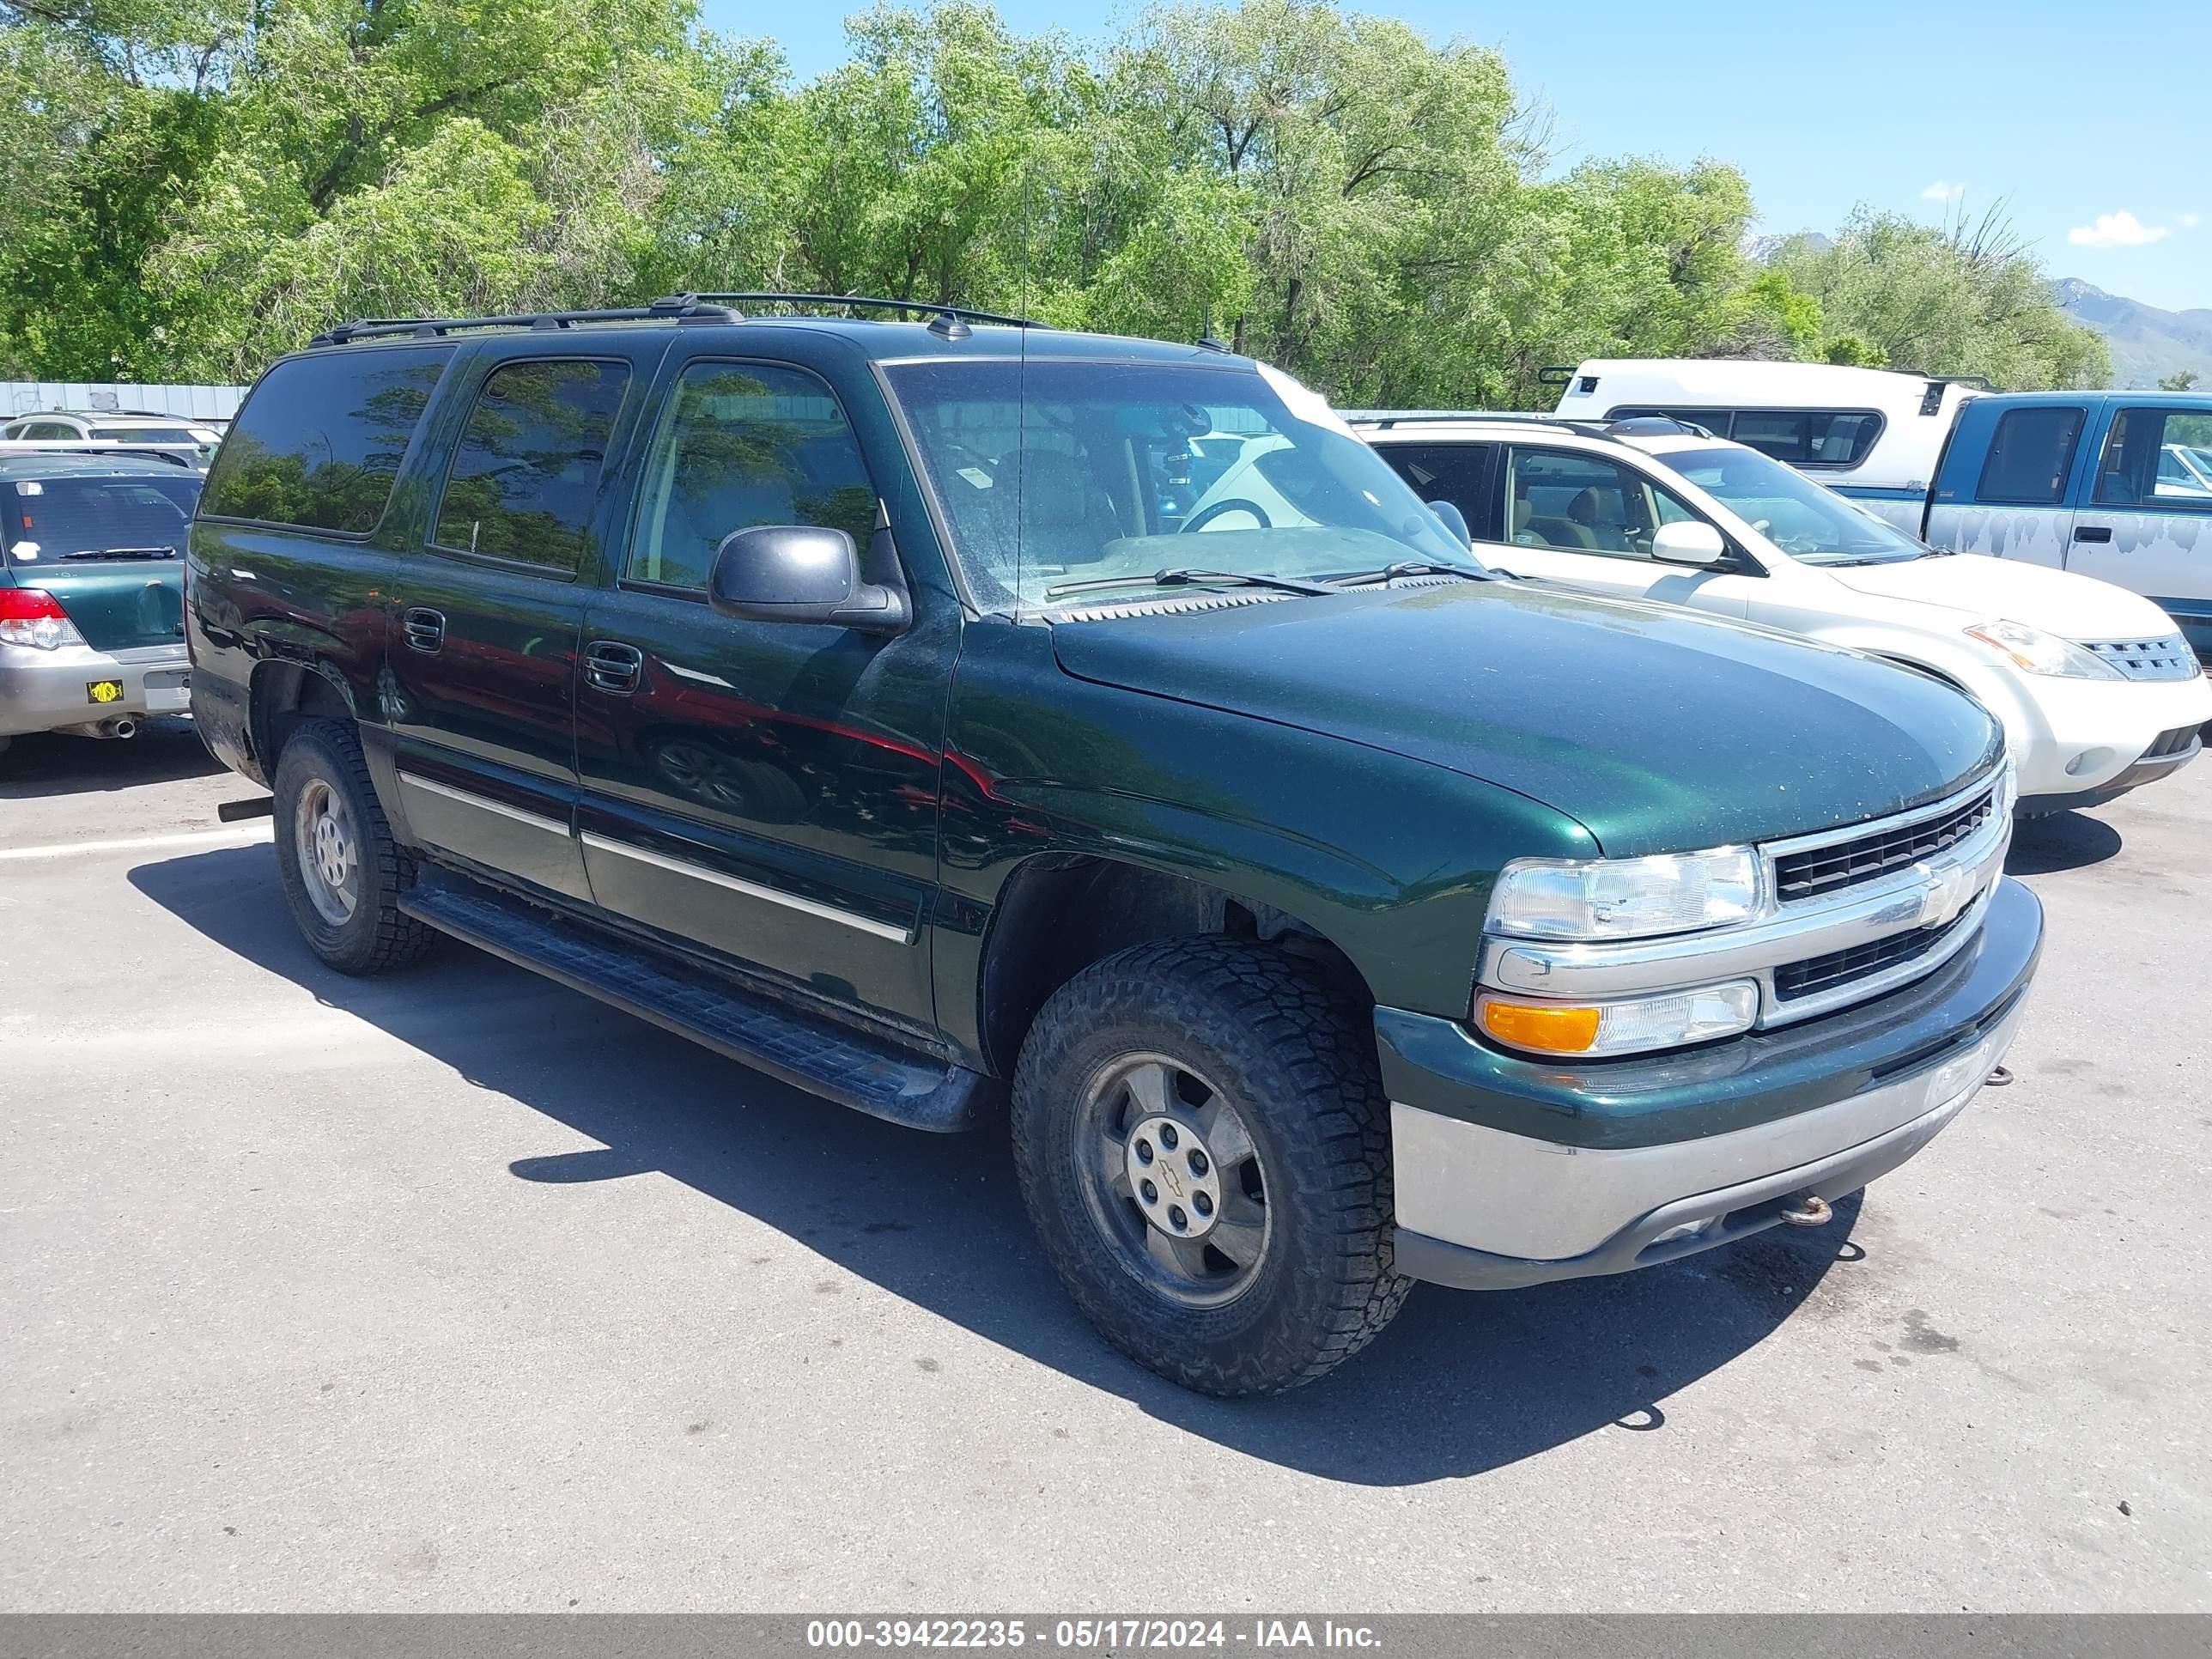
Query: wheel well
1058,915
283,695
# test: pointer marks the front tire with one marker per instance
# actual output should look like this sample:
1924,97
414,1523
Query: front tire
343,872
1203,1145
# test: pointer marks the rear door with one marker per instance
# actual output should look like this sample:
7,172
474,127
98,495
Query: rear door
1588,519
766,791
487,616
2006,478
2143,513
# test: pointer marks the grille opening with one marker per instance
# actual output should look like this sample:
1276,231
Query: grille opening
2171,742
1822,870
1823,973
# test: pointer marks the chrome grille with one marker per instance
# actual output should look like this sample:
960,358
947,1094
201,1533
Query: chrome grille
2167,658
1824,973
1818,871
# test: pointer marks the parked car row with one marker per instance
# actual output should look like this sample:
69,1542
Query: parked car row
2116,485
1094,740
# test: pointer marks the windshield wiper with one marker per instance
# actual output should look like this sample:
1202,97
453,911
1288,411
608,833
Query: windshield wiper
1186,578
123,553
1417,568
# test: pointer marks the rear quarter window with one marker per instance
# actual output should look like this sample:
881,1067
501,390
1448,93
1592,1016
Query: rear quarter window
2030,455
321,438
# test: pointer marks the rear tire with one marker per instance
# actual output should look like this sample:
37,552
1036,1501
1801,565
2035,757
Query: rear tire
1203,1145
343,872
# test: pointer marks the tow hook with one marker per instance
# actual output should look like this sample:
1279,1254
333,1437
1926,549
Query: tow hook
1807,1210
1998,1078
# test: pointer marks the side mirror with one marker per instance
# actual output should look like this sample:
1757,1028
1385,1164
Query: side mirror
1454,520
798,573
1688,541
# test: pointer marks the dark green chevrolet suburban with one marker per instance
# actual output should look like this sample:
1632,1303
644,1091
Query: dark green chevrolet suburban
990,727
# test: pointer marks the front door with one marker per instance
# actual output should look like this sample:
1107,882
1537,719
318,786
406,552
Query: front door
2145,517
2002,489
764,790
1589,520
486,623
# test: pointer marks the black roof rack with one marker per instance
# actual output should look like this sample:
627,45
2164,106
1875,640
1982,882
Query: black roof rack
42,447
674,307
1384,419
867,302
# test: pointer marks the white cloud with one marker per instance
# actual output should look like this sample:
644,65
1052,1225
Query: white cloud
2121,229
1943,192
2187,221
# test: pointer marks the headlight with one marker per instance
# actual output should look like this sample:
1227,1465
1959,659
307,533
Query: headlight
1626,1025
2039,652
1626,898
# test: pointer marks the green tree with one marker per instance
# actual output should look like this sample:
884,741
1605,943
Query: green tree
1965,300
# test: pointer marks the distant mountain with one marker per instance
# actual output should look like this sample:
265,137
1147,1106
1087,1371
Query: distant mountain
2147,343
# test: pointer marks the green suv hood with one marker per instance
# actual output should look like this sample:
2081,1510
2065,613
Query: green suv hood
1658,730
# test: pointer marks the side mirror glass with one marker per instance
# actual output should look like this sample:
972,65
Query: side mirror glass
1688,541
797,573
1454,520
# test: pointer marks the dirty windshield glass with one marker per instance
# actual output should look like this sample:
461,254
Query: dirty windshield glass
1073,483
1812,524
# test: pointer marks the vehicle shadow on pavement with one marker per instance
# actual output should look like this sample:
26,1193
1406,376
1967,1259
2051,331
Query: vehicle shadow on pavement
35,766
2064,841
1461,1383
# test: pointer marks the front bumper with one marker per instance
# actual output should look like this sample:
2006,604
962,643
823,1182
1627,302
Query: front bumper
1512,1171
47,690
2082,741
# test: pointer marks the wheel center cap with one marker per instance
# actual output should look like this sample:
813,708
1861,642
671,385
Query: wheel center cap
1173,1178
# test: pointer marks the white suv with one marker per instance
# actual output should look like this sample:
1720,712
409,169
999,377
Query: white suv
2098,691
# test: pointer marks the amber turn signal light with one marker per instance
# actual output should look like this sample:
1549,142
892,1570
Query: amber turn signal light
1543,1027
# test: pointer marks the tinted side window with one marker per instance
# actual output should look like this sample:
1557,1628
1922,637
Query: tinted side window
1446,472
742,445
321,439
1579,503
2159,457
525,475
2030,456
1816,437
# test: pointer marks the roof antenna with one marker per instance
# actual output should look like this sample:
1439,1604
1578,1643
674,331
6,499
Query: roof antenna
1207,341
946,326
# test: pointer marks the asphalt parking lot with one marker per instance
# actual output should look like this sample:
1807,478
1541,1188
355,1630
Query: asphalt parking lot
456,1291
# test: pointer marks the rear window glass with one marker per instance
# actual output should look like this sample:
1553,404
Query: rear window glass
321,441
525,477
51,519
143,435
1802,437
2031,455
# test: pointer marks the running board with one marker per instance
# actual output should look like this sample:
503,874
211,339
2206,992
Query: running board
819,1056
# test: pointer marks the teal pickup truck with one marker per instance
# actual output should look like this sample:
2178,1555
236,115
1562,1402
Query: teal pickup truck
934,716
2112,484
92,622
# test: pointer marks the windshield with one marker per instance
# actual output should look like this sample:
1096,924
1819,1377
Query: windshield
1812,525
50,519
144,434
1056,475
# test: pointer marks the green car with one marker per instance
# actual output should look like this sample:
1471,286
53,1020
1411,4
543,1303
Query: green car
92,636
1090,740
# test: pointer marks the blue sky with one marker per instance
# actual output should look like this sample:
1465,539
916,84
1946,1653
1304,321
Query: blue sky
2094,120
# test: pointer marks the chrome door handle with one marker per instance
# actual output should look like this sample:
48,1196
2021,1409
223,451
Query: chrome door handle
613,667
425,628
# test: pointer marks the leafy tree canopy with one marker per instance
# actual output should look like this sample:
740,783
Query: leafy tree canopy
189,188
